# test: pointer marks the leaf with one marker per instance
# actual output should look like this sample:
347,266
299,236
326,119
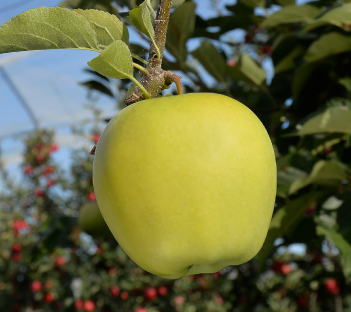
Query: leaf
47,28
246,69
180,28
288,62
340,242
254,3
95,73
291,14
329,44
285,218
102,5
141,19
211,60
107,27
115,61
333,120
332,203
339,17
323,172
96,85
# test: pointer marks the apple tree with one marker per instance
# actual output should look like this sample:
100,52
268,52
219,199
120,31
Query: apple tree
48,263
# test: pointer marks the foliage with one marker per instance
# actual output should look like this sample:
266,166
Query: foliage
306,111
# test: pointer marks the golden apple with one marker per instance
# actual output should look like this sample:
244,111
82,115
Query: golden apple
186,183
91,221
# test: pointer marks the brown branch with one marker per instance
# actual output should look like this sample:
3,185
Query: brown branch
155,81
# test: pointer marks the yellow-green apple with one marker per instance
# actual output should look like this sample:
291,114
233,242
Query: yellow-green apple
186,183
91,221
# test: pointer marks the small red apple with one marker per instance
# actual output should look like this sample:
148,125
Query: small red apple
89,306
28,169
332,286
114,291
60,261
91,196
141,309
50,183
35,286
124,295
49,297
79,304
16,247
162,291
179,300
39,192
150,293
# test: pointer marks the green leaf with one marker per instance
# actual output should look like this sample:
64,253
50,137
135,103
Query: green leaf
327,45
254,3
102,5
246,69
96,85
107,27
288,62
180,28
340,242
291,14
333,120
141,19
47,28
284,219
211,60
323,172
115,61
339,17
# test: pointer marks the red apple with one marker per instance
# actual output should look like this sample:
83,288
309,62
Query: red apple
163,291
89,306
332,286
60,261
91,196
124,295
35,286
49,297
114,291
150,293
79,304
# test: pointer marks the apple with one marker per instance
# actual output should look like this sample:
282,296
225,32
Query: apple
186,183
91,221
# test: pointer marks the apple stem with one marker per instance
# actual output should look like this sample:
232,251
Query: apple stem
157,79
172,77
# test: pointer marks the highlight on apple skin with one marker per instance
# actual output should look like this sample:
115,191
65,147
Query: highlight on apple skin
186,183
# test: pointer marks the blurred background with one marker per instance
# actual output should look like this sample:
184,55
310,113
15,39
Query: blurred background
288,61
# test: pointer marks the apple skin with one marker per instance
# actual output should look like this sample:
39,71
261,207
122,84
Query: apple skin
186,183
91,221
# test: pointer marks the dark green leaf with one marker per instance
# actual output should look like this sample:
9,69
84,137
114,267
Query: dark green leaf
96,85
283,219
291,14
180,28
246,69
333,120
323,172
327,45
340,242
211,60
339,17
